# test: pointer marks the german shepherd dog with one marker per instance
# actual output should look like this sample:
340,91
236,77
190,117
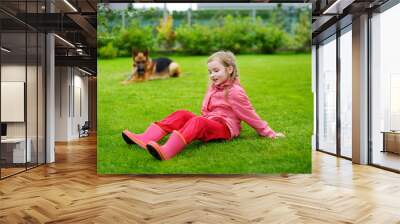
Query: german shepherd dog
145,68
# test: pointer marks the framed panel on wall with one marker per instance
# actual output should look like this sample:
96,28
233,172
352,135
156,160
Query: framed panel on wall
12,101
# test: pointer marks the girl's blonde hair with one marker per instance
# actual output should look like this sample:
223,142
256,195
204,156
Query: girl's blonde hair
226,58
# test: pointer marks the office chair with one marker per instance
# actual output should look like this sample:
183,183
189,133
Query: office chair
84,130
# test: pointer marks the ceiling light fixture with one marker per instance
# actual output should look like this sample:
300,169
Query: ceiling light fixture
79,51
70,5
5,49
86,72
64,40
338,6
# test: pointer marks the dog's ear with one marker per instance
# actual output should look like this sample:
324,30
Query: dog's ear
135,52
146,53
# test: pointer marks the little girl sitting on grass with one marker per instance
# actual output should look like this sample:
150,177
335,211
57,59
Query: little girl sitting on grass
224,107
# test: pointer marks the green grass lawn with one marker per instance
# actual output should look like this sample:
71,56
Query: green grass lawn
279,87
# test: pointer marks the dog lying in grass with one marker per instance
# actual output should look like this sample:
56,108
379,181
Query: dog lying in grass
145,68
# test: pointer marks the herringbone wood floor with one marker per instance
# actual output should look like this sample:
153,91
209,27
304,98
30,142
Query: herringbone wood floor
70,191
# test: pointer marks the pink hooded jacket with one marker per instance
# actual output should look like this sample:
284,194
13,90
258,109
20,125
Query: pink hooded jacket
233,108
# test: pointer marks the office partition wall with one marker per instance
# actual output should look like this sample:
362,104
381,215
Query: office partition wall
13,92
22,78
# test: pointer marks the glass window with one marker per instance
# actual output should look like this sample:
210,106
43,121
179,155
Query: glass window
385,88
346,92
327,95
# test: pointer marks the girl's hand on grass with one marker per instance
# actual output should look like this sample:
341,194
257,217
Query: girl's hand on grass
279,135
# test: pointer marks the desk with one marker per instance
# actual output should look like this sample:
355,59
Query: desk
16,148
391,141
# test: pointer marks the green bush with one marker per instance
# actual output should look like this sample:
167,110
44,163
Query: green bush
108,51
134,37
236,35
165,34
103,39
269,38
196,39
301,40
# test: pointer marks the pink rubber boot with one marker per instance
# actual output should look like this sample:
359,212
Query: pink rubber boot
173,146
153,133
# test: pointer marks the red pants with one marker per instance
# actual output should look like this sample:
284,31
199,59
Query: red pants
194,127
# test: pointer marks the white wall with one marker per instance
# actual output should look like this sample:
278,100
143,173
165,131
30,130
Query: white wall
70,83
79,117
62,80
13,73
